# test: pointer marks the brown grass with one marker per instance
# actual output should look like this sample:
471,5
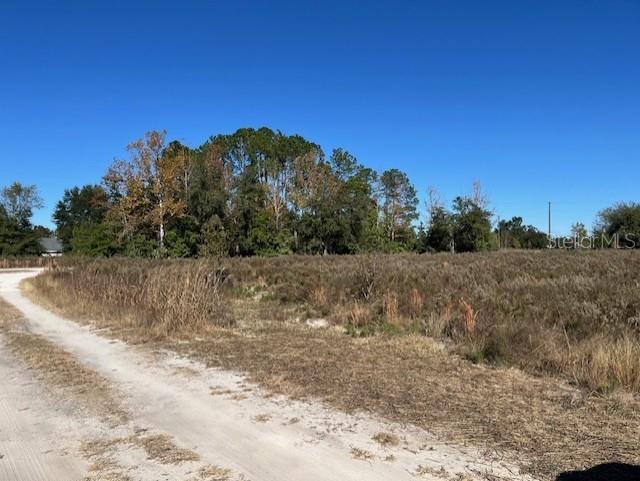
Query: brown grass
262,418
319,297
161,448
415,303
362,454
214,473
605,363
386,439
158,447
410,379
469,317
433,473
572,315
534,310
161,298
390,307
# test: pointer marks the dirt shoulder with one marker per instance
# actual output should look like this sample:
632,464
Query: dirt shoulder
545,425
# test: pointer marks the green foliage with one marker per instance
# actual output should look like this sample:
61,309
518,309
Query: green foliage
472,226
17,239
514,234
141,245
439,237
94,239
17,236
214,239
618,226
78,206
400,202
259,192
264,239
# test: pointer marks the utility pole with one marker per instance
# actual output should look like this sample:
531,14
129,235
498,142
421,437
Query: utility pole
549,220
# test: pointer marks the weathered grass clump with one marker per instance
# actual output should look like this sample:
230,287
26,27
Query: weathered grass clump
160,297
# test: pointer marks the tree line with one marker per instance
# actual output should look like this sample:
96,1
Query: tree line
257,192
254,192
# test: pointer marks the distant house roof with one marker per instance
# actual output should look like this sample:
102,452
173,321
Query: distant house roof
50,244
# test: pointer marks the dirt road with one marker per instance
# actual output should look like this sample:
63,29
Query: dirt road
233,429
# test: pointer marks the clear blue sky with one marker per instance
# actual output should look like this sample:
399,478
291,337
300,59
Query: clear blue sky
538,100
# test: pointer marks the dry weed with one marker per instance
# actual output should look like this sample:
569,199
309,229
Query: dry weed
360,315
605,364
214,473
435,325
538,308
386,439
546,312
415,303
429,472
319,297
390,306
362,454
262,418
469,317
161,448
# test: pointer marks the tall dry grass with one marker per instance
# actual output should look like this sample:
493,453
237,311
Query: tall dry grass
605,364
160,297
572,314
546,312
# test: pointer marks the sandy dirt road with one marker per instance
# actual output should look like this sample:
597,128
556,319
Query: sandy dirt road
31,430
228,422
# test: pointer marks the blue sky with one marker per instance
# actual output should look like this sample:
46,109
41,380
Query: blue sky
538,100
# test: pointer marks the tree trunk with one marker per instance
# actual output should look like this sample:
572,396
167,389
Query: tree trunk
161,225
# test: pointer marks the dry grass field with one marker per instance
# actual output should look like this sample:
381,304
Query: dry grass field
569,314
431,340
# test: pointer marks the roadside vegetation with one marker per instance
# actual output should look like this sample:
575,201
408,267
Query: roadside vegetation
421,339
574,315
158,298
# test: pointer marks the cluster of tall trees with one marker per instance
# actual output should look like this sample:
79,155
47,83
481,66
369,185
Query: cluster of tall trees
261,192
253,192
